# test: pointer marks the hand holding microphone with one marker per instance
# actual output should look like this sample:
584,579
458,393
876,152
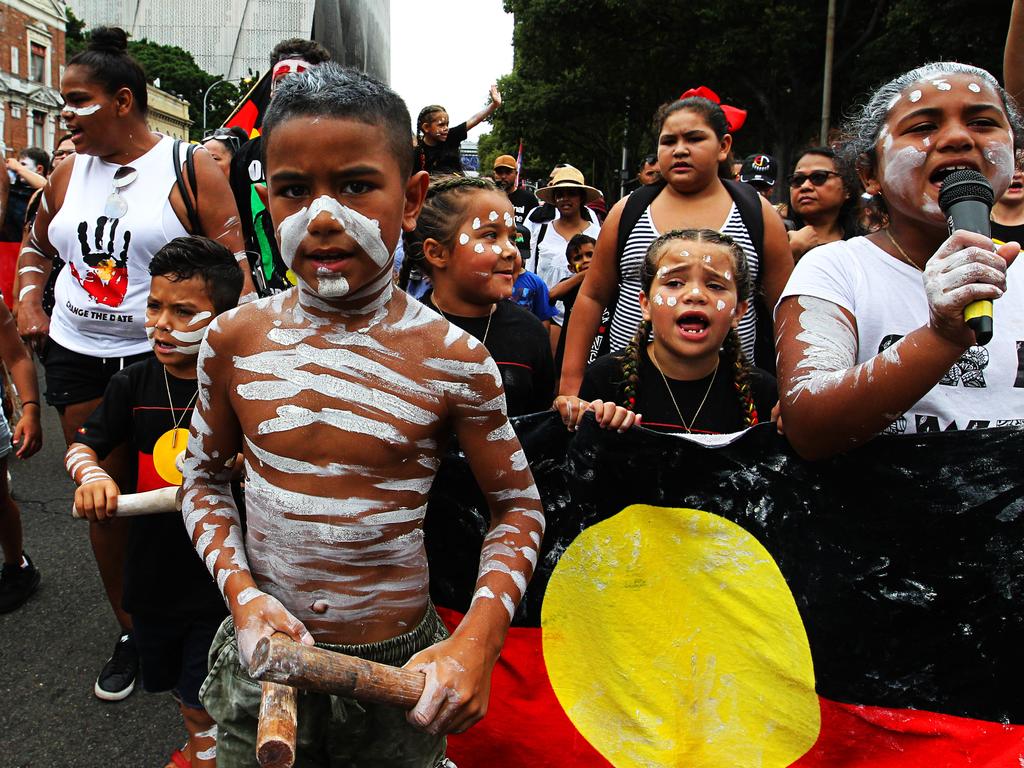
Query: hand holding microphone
966,199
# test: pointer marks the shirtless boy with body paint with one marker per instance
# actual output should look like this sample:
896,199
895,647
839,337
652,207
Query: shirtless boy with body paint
342,394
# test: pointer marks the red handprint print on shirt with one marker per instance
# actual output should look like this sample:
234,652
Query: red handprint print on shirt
106,279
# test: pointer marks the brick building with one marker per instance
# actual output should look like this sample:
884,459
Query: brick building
31,64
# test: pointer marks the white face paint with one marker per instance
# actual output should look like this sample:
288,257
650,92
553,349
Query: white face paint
1001,156
507,218
974,87
915,96
941,84
492,216
900,170
707,258
81,111
658,299
695,291
365,232
496,249
728,275
476,224
463,238
671,301
720,305
894,102
479,247
200,317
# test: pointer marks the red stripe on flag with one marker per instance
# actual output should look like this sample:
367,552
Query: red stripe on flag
859,736
525,725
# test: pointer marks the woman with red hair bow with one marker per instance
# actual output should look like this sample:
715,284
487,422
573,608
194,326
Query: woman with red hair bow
697,192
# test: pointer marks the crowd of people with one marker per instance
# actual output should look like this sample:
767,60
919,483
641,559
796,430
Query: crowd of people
234,319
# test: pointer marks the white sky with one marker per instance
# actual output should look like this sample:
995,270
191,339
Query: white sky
449,52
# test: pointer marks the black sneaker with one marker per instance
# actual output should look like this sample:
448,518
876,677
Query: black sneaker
17,583
117,678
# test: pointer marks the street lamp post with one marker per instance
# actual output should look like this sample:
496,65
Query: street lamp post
205,95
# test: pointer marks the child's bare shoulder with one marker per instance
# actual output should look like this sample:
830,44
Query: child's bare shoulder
254,320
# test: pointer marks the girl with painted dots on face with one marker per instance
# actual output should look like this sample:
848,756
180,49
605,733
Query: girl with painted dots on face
465,238
685,370
871,332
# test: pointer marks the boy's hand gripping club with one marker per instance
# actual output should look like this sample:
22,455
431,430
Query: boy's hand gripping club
282,665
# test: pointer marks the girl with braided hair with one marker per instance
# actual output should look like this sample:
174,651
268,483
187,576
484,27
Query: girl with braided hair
465,239
685,369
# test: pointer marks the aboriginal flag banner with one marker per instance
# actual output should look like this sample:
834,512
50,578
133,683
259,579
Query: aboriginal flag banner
248,114
733,605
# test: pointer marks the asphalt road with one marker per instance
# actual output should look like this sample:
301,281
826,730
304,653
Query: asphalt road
52,648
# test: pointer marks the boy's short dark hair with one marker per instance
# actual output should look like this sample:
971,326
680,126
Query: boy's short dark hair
186,257
577,242
330,90
299,48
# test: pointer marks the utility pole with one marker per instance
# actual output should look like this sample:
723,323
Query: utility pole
826,90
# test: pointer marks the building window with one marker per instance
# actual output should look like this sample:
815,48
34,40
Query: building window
38,129
15,63
16,111
37,63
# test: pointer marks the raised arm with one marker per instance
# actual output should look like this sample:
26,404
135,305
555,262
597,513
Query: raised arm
487,111
208,508
829,402
1013,53
459,669
596,291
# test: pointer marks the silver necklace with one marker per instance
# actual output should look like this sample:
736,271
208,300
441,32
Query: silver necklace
714,374
170,401
487,328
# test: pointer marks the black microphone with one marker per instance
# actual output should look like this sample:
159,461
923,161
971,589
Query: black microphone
966,198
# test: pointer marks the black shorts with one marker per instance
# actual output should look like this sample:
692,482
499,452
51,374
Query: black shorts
173,653
72,377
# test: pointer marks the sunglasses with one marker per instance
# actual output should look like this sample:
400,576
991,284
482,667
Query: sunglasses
116,206
817,178
228,139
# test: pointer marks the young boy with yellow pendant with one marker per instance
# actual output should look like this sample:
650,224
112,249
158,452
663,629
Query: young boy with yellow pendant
174,604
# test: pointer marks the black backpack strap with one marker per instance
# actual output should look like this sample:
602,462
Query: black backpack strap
748,203
536,246
179,180
637,202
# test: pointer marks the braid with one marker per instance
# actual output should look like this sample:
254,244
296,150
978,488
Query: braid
631,365
733,354
439,219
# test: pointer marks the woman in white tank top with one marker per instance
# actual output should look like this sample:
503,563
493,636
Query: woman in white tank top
106,214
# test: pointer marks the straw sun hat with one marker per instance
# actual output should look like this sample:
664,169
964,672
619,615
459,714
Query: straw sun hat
567,178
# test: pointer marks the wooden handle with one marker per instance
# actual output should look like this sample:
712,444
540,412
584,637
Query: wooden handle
146,503
275,734
280,659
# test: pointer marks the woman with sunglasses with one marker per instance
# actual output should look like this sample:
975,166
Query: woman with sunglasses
823,201
222,144
106,211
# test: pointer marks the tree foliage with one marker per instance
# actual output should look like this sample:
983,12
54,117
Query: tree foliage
177,73
586,75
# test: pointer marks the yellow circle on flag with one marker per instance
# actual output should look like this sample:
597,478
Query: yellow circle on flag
168,447
671,639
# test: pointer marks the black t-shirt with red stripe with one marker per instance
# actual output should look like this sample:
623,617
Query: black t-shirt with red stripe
163,573
520,346
720,413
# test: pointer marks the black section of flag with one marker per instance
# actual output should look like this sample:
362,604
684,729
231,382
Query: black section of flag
905,557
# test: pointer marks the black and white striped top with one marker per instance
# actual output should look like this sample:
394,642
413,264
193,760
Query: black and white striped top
627,311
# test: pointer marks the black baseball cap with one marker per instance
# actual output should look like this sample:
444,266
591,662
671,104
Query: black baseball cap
759,169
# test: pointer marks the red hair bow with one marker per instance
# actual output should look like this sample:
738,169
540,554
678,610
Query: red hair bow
734,116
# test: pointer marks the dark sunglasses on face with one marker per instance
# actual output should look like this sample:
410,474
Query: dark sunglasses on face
817,178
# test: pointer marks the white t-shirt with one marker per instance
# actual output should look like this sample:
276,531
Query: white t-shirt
100,296
548,257
984,389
